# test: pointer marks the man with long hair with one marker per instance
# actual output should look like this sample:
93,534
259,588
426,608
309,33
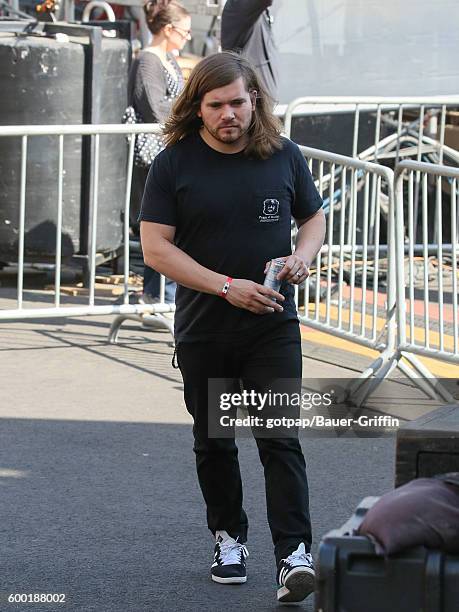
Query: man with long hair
217,208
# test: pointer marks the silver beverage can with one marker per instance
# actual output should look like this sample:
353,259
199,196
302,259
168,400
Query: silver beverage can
271,280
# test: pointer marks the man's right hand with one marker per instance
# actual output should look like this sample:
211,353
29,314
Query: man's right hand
246,294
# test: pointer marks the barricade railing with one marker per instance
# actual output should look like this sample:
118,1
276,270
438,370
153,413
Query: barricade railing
403,127
348,186
427,285
124,310
351,290
355,279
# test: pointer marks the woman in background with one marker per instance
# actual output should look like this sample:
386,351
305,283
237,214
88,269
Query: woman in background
155,80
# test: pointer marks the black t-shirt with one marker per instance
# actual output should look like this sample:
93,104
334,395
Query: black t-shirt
232,214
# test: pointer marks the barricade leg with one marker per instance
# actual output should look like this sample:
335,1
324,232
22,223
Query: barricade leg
156,321
419,382
372,377
428,378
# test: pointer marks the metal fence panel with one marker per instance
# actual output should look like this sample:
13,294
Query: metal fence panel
345,294
25,133
415,126
432,276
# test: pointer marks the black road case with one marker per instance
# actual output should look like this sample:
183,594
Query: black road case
352,578
428,446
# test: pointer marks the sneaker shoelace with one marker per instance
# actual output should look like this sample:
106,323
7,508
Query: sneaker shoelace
233,553
297,558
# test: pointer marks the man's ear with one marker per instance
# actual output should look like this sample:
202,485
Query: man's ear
199,114
253,98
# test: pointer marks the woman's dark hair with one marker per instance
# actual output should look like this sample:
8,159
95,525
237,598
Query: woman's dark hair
213,72
159,13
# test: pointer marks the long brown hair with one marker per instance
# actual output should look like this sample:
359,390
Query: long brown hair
159,13
219,70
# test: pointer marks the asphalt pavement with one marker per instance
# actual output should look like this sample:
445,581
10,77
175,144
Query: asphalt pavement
99,499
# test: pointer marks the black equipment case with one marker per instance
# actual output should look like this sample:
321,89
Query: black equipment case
352,578
428,445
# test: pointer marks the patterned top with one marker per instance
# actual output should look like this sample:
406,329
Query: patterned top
152,90
174,86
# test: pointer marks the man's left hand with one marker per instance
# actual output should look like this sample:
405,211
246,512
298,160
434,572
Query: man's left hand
295,270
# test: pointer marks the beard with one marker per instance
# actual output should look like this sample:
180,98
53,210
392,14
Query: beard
228,134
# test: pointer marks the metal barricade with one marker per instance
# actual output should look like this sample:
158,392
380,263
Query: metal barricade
421,135
357,260
357,274
427,273
146,313
355,279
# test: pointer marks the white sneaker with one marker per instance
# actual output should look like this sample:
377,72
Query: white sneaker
229,560
295,576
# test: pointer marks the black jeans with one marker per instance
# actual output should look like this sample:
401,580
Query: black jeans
268,354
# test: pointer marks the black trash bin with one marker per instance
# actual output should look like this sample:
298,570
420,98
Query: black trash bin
50,79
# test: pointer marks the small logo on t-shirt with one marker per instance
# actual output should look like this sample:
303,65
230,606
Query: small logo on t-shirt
270,211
